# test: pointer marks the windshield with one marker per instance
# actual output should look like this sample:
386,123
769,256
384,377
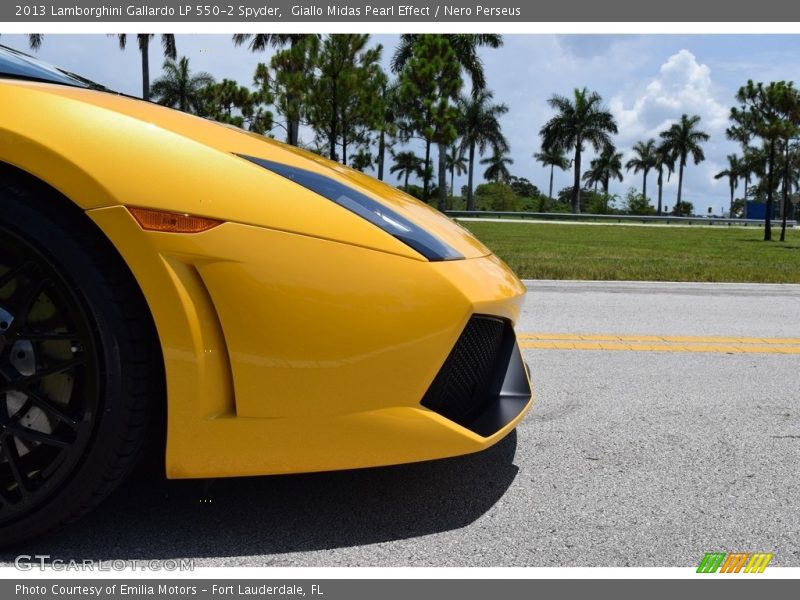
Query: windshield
22,66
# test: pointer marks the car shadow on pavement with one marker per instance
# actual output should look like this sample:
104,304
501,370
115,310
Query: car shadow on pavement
149,517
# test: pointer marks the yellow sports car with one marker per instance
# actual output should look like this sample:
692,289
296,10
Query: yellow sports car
279,312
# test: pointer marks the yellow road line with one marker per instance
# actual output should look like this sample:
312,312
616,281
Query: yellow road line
660,343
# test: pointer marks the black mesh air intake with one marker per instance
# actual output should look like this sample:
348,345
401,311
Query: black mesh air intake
471,376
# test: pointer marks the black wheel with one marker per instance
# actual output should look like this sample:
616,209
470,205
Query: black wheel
80,368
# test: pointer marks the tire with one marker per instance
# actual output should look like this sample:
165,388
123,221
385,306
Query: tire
81,371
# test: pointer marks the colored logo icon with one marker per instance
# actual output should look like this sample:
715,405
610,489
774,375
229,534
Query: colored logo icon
734,562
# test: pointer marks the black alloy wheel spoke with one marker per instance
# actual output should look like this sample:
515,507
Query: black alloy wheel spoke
31,435
22,309
51,408
19,383
14,463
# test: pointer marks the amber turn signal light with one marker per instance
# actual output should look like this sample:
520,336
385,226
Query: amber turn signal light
169,222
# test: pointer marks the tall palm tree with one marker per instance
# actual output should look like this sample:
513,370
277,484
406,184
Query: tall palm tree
664,160
733,172
552,158
593,176
465,46
605,167
456,164
753,165
683,140
178,87
479,128
744,136
643,160
143,39
579,120
497,167
405,165
260,42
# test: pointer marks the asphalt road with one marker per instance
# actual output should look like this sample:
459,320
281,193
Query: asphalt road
644,448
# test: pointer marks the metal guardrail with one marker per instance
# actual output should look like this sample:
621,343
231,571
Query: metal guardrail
614,218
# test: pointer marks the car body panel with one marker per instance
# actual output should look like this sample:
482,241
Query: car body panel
296,336
308,348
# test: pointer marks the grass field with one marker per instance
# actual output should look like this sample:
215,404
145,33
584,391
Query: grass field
643,253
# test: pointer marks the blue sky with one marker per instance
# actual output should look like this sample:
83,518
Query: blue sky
647,81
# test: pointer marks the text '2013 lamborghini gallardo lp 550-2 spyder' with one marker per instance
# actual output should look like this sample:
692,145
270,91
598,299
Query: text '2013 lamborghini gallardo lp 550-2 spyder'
280,312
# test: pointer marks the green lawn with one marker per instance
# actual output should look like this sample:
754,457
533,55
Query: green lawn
654,253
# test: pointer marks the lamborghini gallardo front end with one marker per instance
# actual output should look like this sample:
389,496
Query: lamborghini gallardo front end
296,315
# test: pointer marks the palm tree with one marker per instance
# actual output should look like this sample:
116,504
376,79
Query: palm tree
578,120
684,139
664,159
497,169
733,172
479,128
179,88
405,165
743,135
593,176
456,164
260,42
604,168
753,164
167,44
552,159
644,159
465,46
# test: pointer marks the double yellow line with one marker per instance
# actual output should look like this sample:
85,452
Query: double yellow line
660,343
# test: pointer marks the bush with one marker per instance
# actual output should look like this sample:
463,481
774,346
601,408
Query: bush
496,196
637,204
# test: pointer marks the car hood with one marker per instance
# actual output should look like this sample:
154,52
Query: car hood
232,142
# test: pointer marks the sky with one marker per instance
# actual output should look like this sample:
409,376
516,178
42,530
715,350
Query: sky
647,82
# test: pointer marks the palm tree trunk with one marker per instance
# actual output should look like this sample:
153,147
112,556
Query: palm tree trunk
785,204
145,51
576,186
660,189
768,215
746,185
381,154
550,194
644,185
452,180
470,200
730,212
680,187
442,176
405,184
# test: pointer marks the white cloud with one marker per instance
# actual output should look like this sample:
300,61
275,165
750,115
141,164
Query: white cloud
683,85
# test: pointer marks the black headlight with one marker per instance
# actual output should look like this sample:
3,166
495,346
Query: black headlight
376,213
